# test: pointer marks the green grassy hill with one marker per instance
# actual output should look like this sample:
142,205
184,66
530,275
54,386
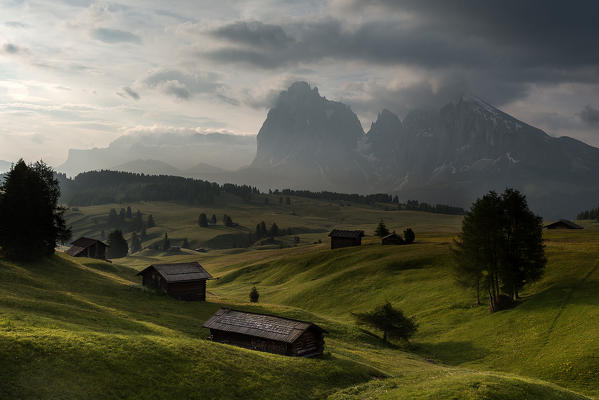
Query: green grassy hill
78,328
309,219
552,335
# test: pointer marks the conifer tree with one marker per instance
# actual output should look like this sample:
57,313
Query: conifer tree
381,229
31,221
118,246
203,220
254,295
151,222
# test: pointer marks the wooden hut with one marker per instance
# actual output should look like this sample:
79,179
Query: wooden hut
563,224
342,238
86,247
184,281
266,333
391,239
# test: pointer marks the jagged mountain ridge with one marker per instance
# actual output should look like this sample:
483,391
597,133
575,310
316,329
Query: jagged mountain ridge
308,140
451,155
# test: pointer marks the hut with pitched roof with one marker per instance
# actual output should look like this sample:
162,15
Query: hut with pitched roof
86,247
563,224
267,333
184,281
343,238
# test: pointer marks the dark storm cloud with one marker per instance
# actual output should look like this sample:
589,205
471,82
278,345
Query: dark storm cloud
590,115
501,48
10,48
255,34
115,36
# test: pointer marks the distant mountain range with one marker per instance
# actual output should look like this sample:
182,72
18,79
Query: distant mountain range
451,155
448,156
166,153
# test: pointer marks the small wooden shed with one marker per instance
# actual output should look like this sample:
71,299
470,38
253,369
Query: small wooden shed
563,224
343,238
266,333
86,247
392,238
184,281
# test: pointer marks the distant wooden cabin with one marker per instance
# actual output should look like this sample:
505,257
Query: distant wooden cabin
391,239
86,247
184,281
266,333
563,224
341,238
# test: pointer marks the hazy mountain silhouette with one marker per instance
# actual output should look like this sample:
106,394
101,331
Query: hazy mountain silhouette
448,156
451,155
178,150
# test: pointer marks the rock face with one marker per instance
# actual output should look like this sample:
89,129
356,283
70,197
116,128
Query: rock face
311,140
450,155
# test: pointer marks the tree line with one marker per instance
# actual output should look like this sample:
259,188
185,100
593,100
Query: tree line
593,213
101,187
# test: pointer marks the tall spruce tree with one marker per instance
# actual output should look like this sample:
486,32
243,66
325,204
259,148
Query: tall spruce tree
118,246
381,230
135,243
500,247
203,220
31,221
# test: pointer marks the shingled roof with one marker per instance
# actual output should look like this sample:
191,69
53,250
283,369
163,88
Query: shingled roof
180,272
569,224
346,234
259,325
85,242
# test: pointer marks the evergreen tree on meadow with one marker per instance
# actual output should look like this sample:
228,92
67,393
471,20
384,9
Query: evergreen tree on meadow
135,243
151,222
113,218
381,230
392,322
203,220
409,236
118,246
138,222
166,243
122,215
31,221
213,219
500,248
254,295
274,230
261,230
129,213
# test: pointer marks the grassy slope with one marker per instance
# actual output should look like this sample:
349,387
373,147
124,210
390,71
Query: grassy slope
552,335
77,328
89,323
318,217
84,330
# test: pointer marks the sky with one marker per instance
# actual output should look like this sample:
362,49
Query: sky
79,73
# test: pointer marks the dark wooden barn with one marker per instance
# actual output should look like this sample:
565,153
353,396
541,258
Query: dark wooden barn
341,238
266,333
86,247
563,224
391,239
184,281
